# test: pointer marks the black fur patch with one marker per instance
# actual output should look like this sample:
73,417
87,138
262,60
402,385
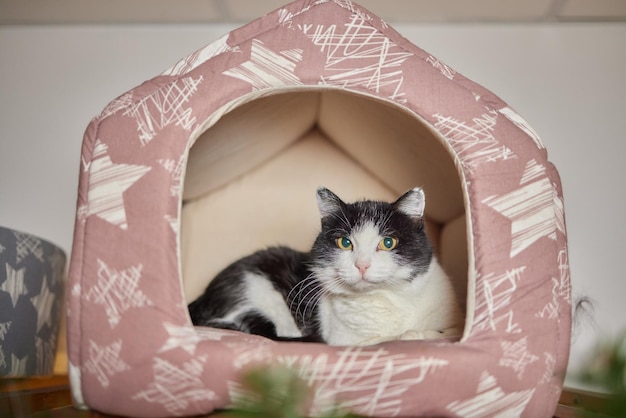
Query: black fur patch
285,268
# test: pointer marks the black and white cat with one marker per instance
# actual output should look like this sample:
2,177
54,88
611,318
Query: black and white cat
370,276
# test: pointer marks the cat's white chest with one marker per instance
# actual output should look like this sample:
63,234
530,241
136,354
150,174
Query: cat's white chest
365,319
426,308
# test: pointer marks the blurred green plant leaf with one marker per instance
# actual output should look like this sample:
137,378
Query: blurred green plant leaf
606,369
275,392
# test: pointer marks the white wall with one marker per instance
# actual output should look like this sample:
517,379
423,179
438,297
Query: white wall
567,80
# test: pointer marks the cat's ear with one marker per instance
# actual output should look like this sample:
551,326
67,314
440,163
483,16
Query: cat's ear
412,203
328,202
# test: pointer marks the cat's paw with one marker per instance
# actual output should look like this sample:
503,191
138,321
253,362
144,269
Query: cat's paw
411,335
421,335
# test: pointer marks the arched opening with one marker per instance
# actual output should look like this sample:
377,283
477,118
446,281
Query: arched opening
251,177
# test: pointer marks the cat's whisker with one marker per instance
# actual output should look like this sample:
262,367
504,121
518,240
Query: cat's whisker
298,288
310,303
300,311
299,297
316,290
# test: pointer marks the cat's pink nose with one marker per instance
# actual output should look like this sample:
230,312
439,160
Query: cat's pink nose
362,266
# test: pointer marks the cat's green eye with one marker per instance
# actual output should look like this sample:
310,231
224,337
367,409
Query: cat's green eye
387,244
344,243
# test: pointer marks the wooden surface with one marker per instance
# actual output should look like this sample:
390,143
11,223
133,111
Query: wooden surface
50,398
46,398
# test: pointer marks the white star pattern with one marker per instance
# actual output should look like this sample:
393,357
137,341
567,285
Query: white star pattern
515,355
28,244
447,72
474,142
172,221
531,210
108,182
533,171
216,334
19,366
43,303
286,17
358,55
175,388
82,212
492,401
548,375
181,337
4,328
176,169
105,361
76,290
267,68
561,290
374,373
521,123
250,352
118,291
14,284
121,103
165,107
493,300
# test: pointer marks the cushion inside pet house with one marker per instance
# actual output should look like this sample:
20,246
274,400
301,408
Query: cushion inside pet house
221,155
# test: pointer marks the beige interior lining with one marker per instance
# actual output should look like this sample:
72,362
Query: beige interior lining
251,178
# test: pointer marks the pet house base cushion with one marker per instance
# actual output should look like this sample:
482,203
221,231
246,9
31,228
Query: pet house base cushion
238,136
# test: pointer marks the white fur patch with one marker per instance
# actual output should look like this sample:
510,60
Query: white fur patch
425,307
412,203
262,297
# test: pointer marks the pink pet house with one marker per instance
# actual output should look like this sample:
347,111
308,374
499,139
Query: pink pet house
222,154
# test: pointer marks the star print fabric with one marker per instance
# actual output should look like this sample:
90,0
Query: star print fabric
31,296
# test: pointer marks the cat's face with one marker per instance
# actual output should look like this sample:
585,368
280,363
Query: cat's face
368,245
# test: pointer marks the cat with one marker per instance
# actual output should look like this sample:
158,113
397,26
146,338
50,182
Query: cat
371,276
